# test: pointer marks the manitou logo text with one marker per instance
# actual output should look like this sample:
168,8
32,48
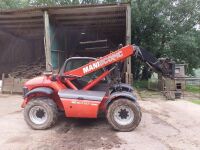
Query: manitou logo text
103,62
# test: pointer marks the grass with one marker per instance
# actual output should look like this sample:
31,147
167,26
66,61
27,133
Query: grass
196,102
193,88
142,87
143,84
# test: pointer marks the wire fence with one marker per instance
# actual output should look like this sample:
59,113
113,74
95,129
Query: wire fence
188,87
192,88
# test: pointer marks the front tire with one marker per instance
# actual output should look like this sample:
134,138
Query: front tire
124,115
41,113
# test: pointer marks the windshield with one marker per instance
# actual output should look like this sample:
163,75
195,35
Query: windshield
76,63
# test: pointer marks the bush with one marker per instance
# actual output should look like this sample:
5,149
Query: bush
140,84
193,88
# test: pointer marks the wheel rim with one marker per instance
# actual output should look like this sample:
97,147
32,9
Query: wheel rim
38,115
123,115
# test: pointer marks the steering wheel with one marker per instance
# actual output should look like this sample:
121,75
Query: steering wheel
94,76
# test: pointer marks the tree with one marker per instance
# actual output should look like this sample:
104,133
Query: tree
5,4
166,27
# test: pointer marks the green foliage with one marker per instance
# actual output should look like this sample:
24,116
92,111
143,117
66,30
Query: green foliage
167,27
51,2
193,88
196,102
143,84
5,4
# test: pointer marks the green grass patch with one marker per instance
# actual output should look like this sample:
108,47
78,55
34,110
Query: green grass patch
143,84
196,101
193,88
144,92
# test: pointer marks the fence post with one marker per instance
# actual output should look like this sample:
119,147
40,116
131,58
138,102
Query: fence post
3,76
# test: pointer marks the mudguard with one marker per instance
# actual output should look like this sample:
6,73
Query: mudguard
125,87
44,90
122,94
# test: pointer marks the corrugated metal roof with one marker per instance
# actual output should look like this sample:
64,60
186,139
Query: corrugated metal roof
102,17
43,8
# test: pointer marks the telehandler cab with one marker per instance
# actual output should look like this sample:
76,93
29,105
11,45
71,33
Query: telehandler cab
83,89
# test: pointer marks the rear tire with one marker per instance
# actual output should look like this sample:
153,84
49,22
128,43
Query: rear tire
124,115
41,113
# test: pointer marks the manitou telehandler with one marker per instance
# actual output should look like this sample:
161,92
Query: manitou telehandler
84,89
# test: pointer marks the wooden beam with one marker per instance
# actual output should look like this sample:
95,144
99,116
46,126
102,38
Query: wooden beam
106,49
97,48
91,42
95,25
21,16
47,43
18,21
95,19
26,24
98,27
21,26
81,10
129,75
88,22
91,16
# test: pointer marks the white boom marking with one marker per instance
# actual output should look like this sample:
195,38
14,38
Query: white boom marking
102,62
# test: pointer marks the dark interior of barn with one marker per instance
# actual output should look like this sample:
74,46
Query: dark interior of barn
21,41
87,32
73,31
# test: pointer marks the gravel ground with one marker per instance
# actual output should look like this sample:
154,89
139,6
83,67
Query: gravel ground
165,125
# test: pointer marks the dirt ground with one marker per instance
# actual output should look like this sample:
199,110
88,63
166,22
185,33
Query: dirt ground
173,125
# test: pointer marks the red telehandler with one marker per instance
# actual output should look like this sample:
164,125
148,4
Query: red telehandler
84,89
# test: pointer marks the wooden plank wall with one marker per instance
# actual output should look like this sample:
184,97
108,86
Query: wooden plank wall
12,85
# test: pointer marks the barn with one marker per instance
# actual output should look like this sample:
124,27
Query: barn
32,38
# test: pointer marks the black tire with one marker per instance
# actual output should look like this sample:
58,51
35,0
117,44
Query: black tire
49,108
134,109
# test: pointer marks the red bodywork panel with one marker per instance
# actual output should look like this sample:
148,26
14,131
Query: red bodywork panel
44,81
80,108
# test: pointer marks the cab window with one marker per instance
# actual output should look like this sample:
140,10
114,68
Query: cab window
76,63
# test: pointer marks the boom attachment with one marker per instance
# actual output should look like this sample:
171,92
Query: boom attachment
164,66
102,62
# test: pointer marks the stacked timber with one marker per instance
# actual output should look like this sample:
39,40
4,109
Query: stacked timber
28,71
14,81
